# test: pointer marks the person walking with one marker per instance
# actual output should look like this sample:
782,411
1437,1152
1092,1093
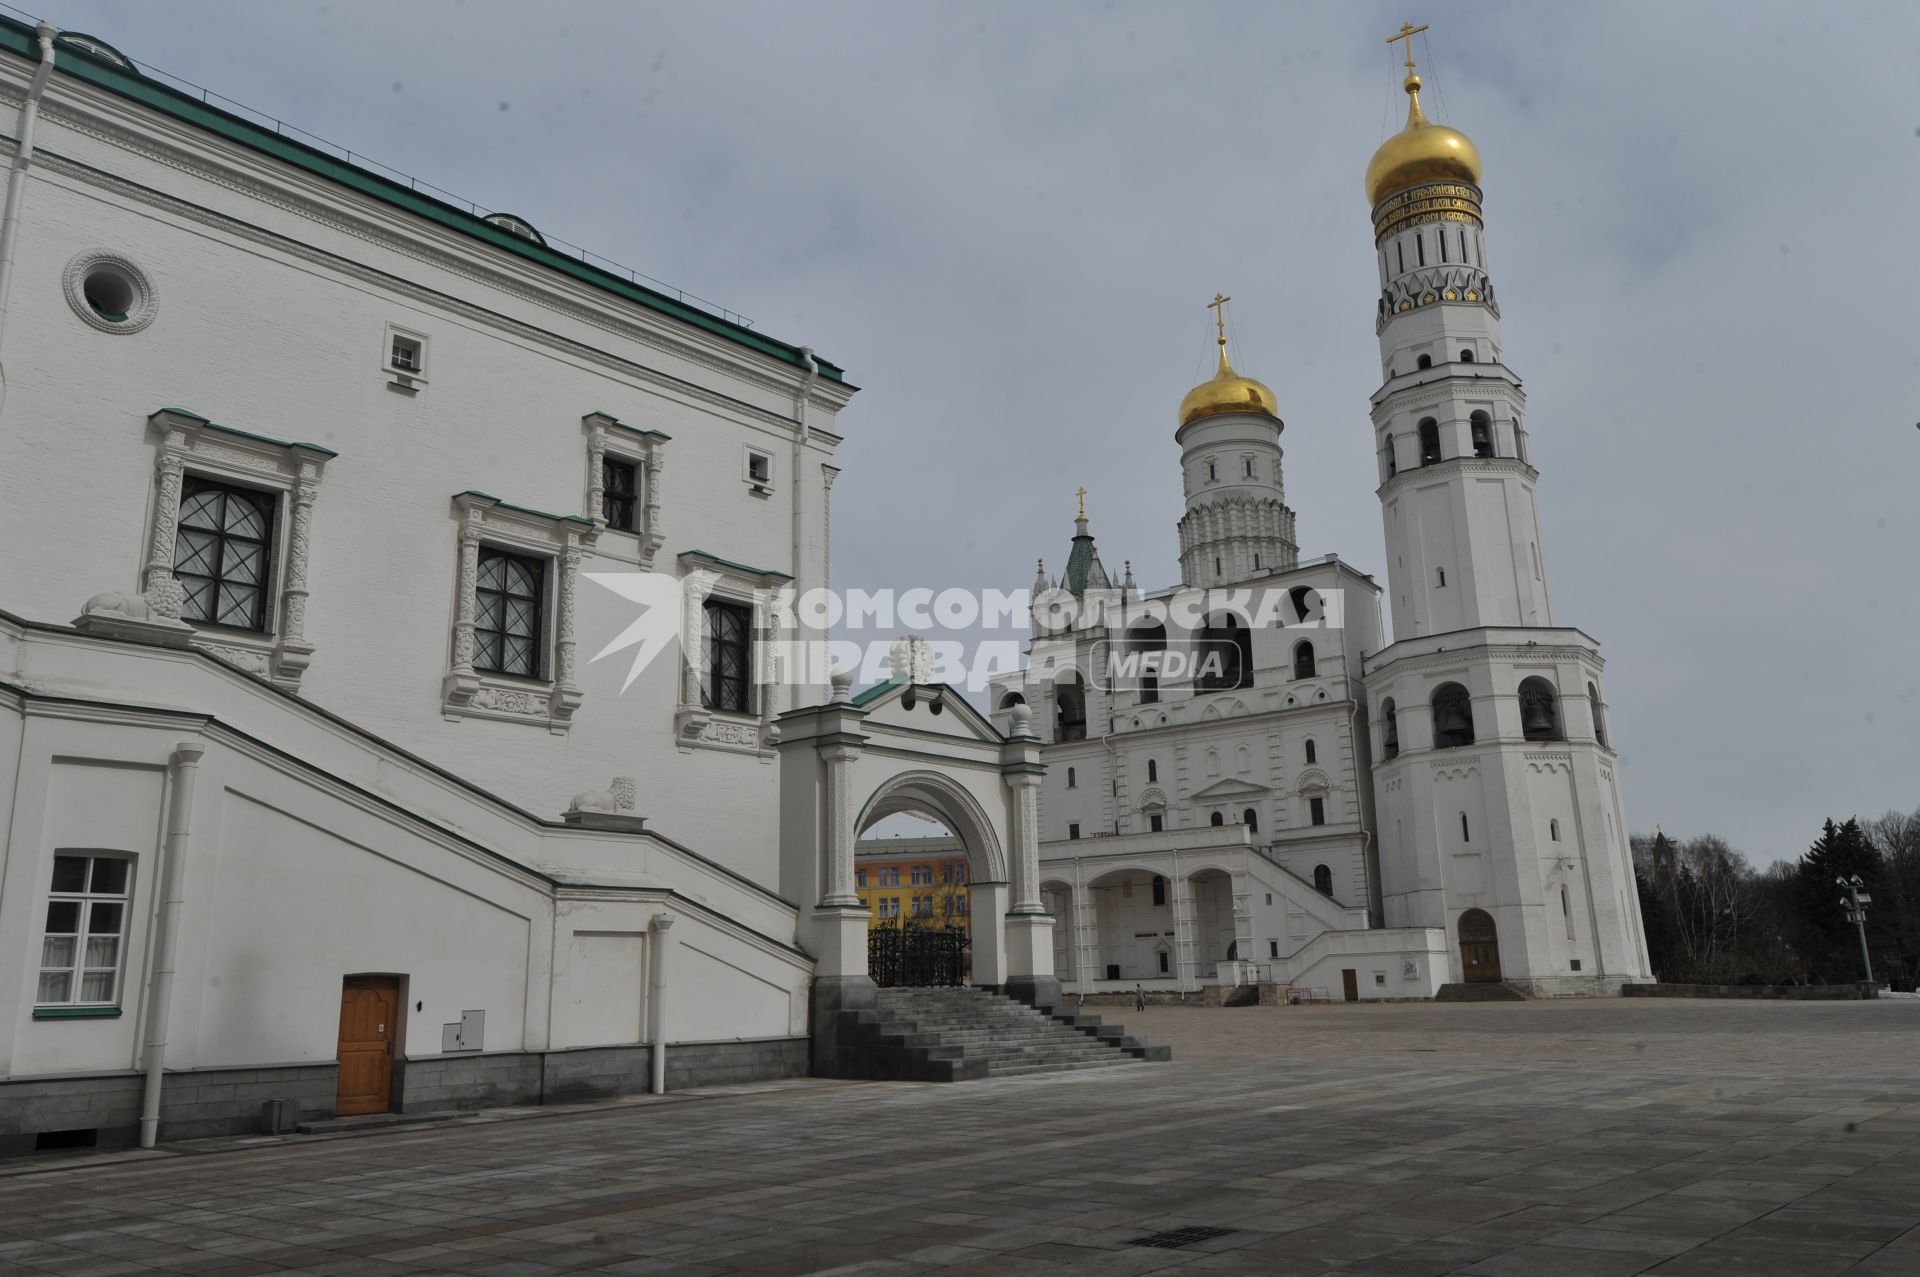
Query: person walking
1139,997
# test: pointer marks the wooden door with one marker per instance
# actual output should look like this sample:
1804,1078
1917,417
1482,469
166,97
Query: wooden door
369,1006
1479,948
1350,984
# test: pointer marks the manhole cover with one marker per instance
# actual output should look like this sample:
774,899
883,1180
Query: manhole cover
1175,1238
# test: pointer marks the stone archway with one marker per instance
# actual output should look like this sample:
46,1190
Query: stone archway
903,746
929,792
1479,948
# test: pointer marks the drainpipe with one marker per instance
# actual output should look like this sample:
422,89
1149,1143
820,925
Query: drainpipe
17,175
800,436
656,994
166,934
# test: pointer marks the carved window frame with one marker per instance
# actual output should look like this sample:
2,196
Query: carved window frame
645,451
186,442
695,726
561,540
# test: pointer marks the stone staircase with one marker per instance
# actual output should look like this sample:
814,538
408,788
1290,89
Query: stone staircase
1485,991
959,1035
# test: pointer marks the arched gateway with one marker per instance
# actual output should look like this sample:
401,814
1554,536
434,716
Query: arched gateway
898,747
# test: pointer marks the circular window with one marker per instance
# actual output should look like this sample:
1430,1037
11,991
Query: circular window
109,292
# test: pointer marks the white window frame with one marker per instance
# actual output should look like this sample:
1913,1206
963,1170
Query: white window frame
761,487
187,442
561,539
705,576
645,450
409,379
86,897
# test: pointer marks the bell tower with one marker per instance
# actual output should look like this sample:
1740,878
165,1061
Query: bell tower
1496,786
1237,523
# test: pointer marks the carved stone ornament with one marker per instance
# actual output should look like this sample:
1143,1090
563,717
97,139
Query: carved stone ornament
466,690
188,442
134,618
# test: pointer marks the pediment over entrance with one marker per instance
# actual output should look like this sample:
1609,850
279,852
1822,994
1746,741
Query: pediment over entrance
939,709
1229,788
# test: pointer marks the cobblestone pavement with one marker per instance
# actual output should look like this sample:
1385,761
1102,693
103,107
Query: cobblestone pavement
1539,1138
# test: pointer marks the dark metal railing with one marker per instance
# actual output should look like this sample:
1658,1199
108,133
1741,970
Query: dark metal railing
917,957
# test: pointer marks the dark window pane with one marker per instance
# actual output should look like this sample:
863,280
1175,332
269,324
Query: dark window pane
63,916
619,488
105,918
509,624
69,873
727,682
223,552
109,874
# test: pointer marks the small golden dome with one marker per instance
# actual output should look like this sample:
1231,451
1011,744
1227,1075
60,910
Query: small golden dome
1228,391
1421,152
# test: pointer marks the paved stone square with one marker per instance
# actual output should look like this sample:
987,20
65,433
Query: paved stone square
1566,1138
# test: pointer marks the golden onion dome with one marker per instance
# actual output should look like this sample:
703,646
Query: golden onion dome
1421,152
1227,391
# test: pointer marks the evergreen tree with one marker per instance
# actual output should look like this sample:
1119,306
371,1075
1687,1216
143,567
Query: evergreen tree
1832,943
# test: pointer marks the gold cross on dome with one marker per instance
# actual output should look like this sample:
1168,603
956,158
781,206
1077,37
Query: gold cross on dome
1407,32
1082,494
1219,308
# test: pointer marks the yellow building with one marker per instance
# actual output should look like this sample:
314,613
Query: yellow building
917,881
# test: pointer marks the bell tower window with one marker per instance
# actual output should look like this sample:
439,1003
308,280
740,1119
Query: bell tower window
1482,434
1429,440
1539,710
1452,716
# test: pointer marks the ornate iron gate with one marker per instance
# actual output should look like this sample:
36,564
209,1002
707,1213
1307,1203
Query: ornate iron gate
917,957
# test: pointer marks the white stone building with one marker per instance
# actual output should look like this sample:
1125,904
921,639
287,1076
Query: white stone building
367,447
1250,780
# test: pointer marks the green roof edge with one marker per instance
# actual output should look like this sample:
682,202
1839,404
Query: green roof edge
17,37
735,564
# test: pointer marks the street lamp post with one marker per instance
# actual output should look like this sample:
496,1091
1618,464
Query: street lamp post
1855,903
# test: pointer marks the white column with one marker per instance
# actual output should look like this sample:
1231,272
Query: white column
1185,969
840,836
657,998
166,932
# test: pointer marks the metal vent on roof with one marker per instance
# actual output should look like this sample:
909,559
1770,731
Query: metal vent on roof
97,47
1176,1238
516,226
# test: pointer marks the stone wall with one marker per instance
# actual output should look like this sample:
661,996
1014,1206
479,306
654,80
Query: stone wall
198,1103
194,1104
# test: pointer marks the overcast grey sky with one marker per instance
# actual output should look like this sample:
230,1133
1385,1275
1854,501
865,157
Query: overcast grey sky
1005,220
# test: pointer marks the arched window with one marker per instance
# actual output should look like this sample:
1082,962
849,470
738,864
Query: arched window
1011,699
1212,473
1599,715
1429,441
1393,462
1072,783
1159,890
1311,751
1307,605
1425,361
1482,434
1566,911
1226,655
1390,729
1452,716
1553,830
1323,880
1539,710
1466,834
1251,819
1466,356
1303,666
1217,819
1070,708
1153,771
1147,645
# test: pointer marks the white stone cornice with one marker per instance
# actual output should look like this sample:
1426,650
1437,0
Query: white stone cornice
1480,465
